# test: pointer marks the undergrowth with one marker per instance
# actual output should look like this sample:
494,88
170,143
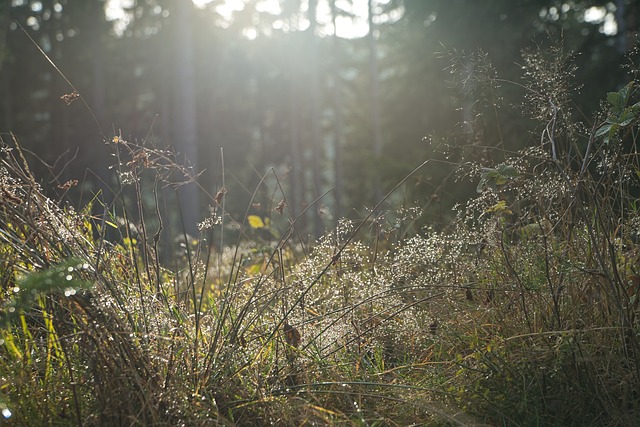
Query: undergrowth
523,311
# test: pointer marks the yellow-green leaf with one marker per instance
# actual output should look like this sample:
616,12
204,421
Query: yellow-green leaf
255,221
500,207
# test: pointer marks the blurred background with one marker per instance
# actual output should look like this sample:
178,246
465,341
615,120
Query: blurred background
345,96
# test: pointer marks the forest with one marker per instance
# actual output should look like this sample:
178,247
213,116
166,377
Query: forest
319,212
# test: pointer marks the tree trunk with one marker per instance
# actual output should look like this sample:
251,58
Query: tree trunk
95,32
185,132
621,37
296,174
58,112
316,148
376,132
5,19
338,124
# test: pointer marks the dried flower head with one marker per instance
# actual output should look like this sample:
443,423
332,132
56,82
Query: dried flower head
67,185
140,158
68,98
281,206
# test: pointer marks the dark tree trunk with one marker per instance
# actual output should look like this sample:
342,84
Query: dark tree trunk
338,124
376,132
185,132
96,32
316,143
5,19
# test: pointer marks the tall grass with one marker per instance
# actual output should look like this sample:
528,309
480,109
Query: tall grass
522,311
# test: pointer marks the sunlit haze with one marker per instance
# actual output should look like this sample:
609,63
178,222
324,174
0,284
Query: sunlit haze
347,27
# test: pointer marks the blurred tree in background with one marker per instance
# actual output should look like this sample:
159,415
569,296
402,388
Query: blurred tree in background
348,95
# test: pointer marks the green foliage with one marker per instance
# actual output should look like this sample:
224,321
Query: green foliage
620,115
61,278
494,177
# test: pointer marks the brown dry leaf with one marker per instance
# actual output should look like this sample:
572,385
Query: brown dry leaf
219,195
291,335
433,328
